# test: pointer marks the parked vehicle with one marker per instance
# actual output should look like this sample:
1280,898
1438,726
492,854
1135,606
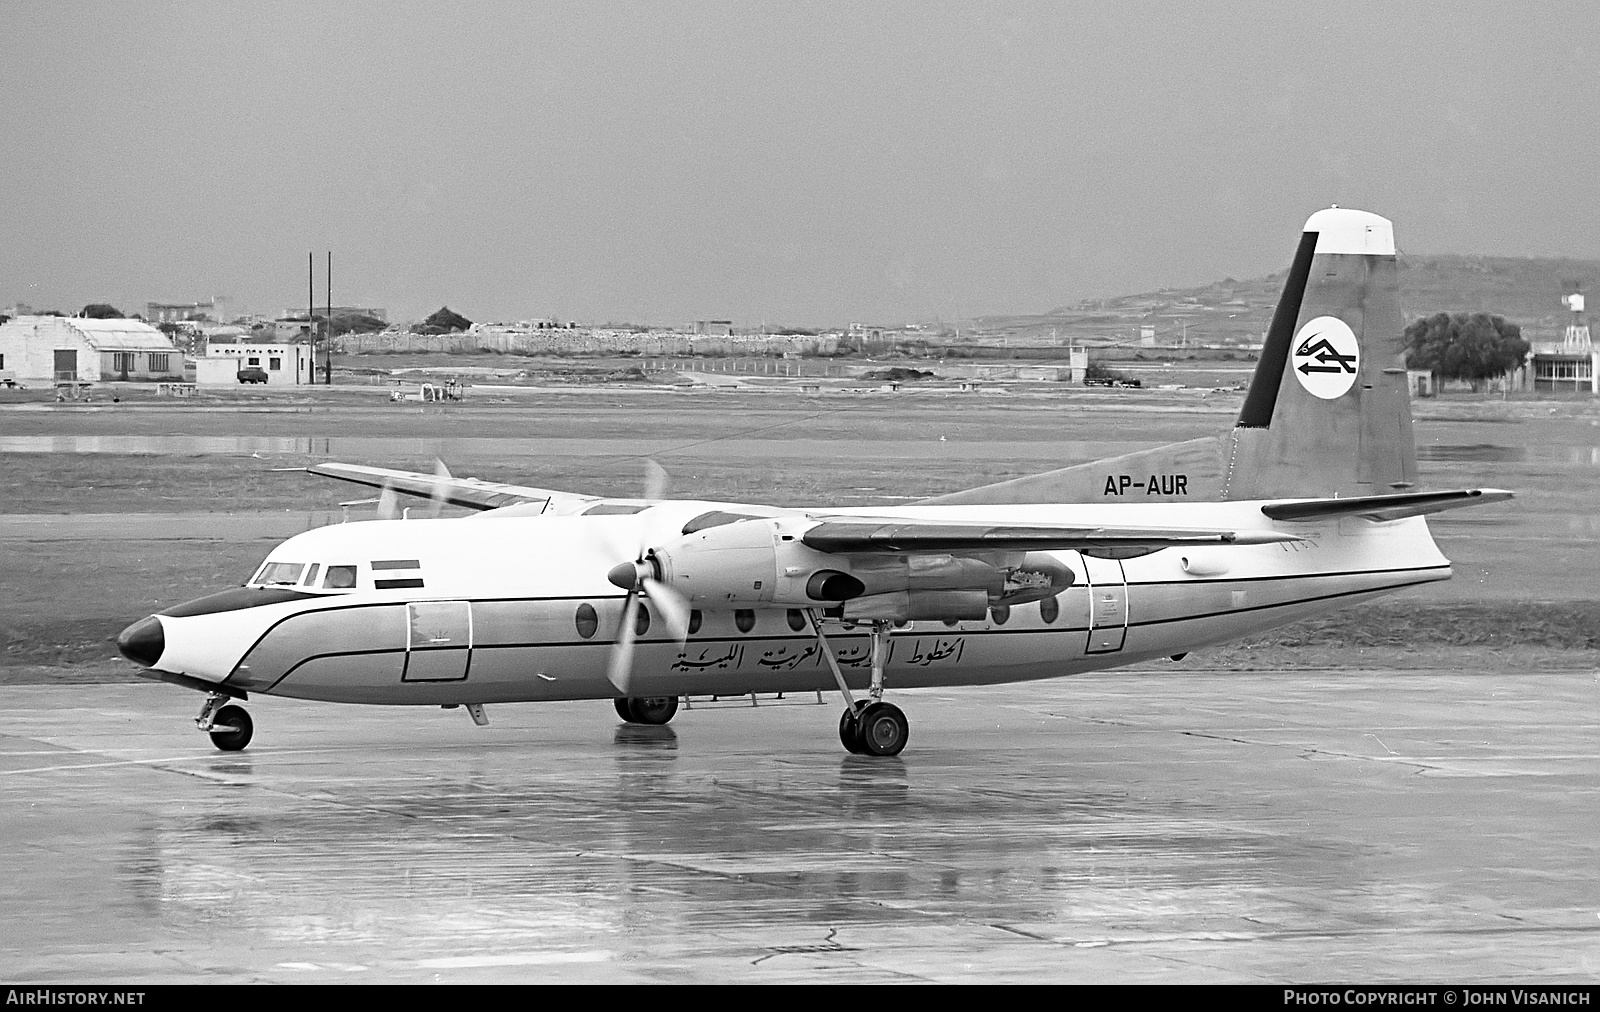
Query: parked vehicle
252,375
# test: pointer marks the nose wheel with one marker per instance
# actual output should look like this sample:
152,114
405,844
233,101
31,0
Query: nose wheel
233,729
230,727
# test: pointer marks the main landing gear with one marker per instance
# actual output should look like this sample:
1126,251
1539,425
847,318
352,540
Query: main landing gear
230,726
647,709
868,726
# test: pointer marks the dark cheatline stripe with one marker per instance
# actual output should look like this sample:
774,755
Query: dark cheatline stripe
397,584
397,564
236,599
1263,395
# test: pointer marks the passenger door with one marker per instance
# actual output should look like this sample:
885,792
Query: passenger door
438,641
1108,605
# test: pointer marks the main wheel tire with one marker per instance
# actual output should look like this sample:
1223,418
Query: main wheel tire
242,728
850,729
884,729
652,709
624,710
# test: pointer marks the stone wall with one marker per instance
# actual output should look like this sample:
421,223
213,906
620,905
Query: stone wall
584,342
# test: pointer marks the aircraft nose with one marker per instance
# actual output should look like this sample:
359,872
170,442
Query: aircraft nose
143,641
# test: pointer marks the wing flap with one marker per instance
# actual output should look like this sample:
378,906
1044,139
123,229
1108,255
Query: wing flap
1384,507
844,535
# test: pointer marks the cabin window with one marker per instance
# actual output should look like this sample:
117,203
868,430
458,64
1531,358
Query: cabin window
641,621
280,574
311,576
695,618
744,619
1050,610
339,578
999,613
797,619
586,620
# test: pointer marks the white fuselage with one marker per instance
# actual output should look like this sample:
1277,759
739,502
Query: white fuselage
498,609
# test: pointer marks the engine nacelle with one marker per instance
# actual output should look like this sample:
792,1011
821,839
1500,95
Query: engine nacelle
764,562
910,605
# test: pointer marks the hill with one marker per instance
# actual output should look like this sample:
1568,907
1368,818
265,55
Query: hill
1525,290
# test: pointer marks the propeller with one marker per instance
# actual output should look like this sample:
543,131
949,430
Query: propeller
388,504
657,483
441,488
640,578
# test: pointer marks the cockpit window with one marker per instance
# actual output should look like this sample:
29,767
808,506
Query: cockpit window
339,578
311,577
280,574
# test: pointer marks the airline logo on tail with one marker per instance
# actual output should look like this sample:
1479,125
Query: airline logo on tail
1326,357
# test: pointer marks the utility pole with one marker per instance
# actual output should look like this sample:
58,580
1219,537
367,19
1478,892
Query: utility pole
311,298
327,350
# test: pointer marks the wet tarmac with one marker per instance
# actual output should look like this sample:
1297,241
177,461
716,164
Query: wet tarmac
1153,825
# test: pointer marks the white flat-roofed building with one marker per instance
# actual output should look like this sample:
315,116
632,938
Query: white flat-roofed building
40,350
284,364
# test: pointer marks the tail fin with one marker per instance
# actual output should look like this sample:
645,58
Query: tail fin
1327,413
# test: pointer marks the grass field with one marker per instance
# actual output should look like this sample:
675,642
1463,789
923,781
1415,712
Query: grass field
157,502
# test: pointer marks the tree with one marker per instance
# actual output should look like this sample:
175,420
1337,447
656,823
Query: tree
356,323
101,311
447,321
1465,346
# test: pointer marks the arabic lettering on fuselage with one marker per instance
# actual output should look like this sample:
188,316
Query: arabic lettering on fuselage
915,652
721,658
943,649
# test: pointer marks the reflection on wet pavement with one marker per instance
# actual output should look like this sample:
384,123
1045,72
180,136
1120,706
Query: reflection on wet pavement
1241,827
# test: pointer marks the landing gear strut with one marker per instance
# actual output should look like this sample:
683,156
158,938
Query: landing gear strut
230,727
647,709
868,726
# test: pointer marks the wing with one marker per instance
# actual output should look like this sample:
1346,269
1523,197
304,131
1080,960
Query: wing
876,535
1384,507
472,493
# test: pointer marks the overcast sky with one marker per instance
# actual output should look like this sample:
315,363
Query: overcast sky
800,163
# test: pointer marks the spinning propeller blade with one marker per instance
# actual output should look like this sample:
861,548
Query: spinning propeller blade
388,504
673,607
441,489
657,483
621,670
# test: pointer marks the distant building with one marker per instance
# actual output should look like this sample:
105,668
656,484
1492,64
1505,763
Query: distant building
284,364
214,311
66,349
1557,367
299,312
1569,365
715,328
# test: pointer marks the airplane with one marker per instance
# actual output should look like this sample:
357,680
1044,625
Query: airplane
1307,503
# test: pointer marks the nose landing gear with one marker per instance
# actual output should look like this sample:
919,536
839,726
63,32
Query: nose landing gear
230,727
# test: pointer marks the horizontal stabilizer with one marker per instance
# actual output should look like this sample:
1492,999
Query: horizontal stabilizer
913,536
1384,507
469,492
